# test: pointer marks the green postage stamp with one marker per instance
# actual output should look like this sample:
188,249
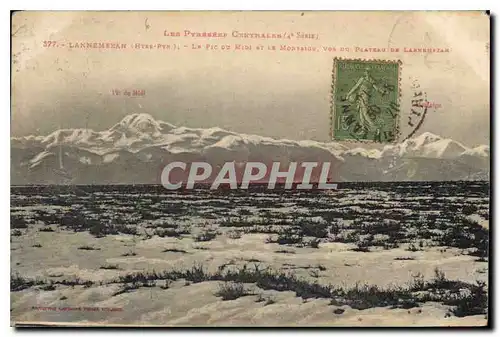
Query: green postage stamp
365,100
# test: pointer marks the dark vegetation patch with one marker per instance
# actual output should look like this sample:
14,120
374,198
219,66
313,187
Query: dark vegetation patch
284,251
404,258
18,283
16,232
205,236
18,222
169,232
76,282
200,248
469,209
174,250
88,248
110,267
413,248
48,287
229,291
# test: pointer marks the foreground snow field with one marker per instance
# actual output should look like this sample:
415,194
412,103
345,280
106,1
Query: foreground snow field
246,263
196,304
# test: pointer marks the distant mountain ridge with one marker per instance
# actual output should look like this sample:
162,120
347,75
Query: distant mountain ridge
134,150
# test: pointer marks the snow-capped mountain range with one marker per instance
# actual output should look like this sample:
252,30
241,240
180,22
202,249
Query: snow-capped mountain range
135,150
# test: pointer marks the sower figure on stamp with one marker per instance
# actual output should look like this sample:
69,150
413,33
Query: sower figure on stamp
360,95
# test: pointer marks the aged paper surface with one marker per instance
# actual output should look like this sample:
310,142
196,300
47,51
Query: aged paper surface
105,232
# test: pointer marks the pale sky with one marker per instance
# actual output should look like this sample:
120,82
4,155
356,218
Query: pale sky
282,94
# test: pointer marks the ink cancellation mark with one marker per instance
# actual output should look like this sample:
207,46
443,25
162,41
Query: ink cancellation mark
365,100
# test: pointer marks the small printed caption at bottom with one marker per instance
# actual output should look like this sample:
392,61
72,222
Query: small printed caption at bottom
107,309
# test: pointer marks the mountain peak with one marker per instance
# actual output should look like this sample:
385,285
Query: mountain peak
138,123
427,137
142,123
478,151
137,118
418,143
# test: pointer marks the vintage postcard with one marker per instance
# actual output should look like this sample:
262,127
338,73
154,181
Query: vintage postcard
250,168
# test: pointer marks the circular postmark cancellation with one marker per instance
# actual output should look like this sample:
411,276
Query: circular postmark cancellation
418,110
366,101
